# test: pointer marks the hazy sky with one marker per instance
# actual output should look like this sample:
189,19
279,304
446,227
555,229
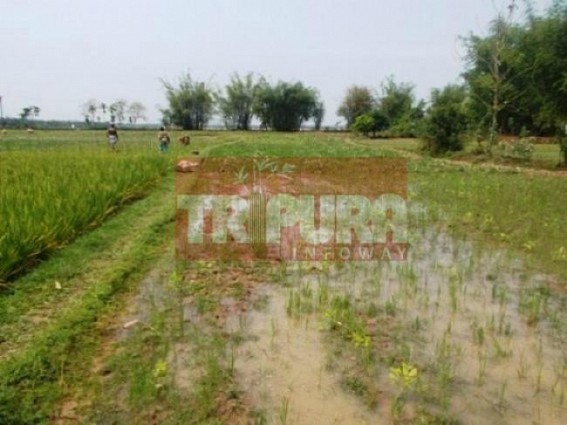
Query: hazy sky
57,54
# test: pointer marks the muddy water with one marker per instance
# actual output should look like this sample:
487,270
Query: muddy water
497,327
492,328
282,366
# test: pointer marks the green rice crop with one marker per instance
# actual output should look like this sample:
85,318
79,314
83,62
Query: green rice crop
49,196
519,210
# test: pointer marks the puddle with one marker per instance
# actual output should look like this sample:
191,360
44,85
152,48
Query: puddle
486,335
490,345
282,365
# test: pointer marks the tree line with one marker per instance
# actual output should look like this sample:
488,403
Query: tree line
118,111
283,106
394,112
514,82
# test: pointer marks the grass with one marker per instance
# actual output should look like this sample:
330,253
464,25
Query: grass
58,184
294,145
470,321
50,196
522,212
52,357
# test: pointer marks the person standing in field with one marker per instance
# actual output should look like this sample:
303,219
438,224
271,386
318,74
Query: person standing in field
112,135
164,140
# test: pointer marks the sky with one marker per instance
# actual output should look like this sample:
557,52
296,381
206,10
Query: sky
58,54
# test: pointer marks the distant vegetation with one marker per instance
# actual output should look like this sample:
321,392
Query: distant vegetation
514,83
284,106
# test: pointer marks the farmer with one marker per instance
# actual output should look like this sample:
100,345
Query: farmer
163,138
112,135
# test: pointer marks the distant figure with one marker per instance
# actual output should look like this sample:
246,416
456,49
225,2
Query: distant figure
4,131
163,138
112,135
29,130
185,140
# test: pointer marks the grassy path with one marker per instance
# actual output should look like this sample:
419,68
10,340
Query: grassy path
47,322
69,275
54,320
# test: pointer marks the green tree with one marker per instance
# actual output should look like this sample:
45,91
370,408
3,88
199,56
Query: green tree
358,100
516,74
381,121
363,124
371,122
236,106
191,103
446,119
543,54
285,106
397,100
502,76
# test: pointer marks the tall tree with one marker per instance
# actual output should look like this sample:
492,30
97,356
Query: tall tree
236,106
285,106
490,62
191,103
543,53
396,102
516,74
358,100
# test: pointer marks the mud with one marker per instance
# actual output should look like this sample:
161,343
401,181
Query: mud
282,365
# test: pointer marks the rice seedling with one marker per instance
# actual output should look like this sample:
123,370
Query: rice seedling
283,411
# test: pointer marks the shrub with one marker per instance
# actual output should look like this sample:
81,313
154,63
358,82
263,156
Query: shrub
371,122
521,149
363,124
446,120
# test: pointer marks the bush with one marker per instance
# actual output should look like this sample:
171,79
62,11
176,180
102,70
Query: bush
521,149
371,122
363,124
446,120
